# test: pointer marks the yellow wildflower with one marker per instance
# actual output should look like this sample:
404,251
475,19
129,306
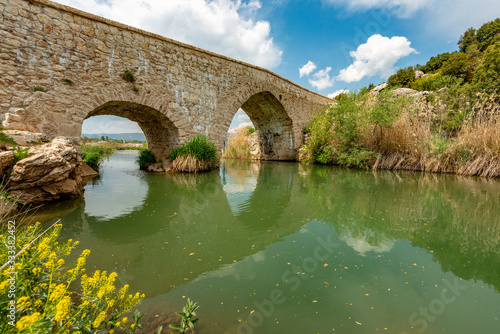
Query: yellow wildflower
99,319
27,321
58,292
22,301
62,308
124,320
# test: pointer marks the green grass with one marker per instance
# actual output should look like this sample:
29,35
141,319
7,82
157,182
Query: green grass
145,158
93,155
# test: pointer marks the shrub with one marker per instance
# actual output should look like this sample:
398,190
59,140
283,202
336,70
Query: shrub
128,76
199,152
93,155
337,134
44,301
20,154
237,146
6,139
403,78
199,147
145,158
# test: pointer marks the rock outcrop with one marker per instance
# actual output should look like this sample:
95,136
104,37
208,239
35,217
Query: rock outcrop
25,138
51,171
6,159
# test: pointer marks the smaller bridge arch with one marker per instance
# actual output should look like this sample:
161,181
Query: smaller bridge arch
273,125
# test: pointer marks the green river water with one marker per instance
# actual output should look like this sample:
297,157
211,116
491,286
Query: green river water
282,248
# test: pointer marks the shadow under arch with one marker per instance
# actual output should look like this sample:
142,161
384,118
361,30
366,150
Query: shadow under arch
274,126
161,133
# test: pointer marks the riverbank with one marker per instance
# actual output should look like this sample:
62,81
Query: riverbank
392,132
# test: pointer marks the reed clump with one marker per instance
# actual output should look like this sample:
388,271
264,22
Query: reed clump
238,146
197,155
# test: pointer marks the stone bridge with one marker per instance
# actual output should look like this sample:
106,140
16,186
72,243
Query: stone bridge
60,66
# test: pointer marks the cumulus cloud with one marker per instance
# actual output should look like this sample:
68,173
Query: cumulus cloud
307,69
241,126
242,117
228,27
337,93
376,57
321,79
400,8
109,124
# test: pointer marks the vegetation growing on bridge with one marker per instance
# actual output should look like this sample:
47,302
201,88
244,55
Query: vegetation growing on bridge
454,128
197,155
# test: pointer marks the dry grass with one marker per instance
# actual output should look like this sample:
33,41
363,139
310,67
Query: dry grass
410,145
190,164
237,146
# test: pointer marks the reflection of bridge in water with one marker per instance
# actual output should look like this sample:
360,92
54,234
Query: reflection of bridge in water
191,224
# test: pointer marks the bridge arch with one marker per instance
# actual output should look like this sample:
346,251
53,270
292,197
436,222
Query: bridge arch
161,133
273,124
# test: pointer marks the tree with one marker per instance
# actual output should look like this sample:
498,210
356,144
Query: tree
467,39
403,78
435,63
487,77
488,34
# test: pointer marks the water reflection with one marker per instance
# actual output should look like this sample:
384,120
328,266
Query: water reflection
227,239
117,191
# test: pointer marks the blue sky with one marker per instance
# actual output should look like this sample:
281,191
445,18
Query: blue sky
324,45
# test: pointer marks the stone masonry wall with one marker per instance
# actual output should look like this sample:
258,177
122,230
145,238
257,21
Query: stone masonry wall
60,65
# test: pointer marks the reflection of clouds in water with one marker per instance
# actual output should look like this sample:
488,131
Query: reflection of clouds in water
362,245
129,191
238,194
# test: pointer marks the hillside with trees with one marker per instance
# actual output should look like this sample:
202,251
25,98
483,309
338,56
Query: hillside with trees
439,117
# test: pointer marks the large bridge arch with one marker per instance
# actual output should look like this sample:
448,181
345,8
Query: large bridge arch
161,133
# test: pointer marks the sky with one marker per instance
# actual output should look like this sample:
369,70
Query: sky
327,46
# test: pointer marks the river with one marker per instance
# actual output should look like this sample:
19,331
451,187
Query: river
275,247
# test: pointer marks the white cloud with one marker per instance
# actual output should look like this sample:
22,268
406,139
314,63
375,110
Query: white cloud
240,126
443,18
321,79
400,8
376,57
109,124
307,69
243,117
337,93
228,27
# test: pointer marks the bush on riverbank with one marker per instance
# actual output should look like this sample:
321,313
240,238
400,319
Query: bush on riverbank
145,158
93,155
38,283
197,155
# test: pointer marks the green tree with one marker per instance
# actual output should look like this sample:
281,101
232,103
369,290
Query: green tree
487,76
457,65
435,63
403,78
467,39
488,34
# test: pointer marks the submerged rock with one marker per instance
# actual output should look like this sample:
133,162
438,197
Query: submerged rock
51,171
